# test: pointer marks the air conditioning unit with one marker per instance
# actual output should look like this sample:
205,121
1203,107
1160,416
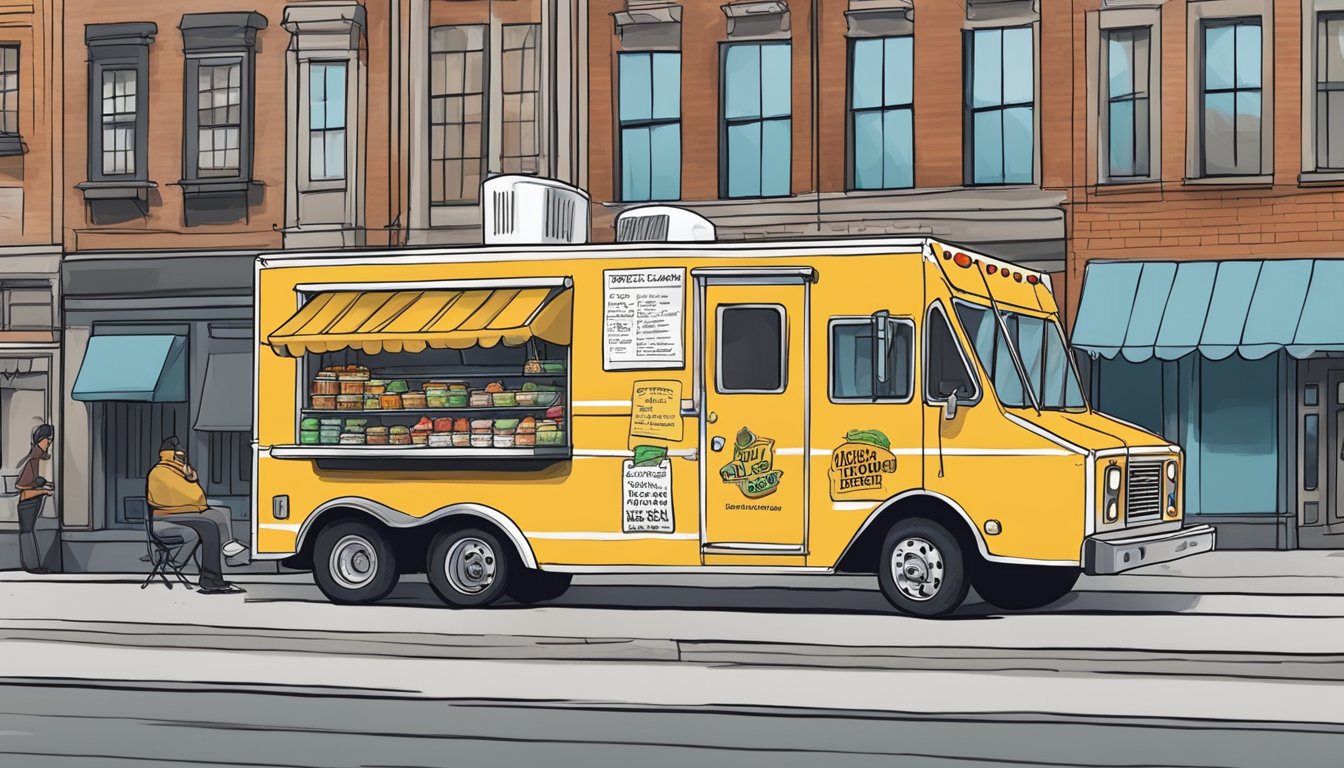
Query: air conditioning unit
663,224
528,210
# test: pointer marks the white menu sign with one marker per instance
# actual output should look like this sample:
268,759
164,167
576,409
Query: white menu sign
646,505
642,319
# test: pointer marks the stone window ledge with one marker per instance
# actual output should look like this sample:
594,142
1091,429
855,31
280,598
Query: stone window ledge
1320,178
216,186
116,190
1260,180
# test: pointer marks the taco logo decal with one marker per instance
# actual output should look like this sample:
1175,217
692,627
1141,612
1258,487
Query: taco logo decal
861,465
753,466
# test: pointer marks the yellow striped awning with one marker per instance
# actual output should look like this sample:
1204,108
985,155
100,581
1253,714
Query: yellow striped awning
413,320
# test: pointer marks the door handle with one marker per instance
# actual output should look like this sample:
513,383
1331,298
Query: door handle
716,444
711,418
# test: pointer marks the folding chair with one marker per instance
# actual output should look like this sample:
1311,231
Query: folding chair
162,549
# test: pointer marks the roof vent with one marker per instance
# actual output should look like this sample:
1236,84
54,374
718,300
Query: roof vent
528,210
663,224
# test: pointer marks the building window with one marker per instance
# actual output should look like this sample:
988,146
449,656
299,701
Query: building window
521,152
26,306
219,118
456,113
1230,98
219,97
1330,92
9,92
650,117
326,121
881,117
753,353
119,122
757,120
1127,87
1000,108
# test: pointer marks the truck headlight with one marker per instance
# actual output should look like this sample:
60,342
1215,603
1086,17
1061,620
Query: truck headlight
1171,471
1112,511
1113,479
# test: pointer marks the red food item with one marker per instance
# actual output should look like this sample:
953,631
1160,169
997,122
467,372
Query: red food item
461,425
423,425
494,387
555,412
443,424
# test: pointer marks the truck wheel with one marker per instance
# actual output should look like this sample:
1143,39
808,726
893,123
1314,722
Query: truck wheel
468,568
1023,587
353,563
922,571
529,585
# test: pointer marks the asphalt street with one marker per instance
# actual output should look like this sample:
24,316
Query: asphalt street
53,726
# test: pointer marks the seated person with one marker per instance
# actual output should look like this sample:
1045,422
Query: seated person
176,497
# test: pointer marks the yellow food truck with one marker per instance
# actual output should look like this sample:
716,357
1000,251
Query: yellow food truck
502,418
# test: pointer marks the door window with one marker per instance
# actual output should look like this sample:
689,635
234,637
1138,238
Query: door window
752,352
853,350
947,370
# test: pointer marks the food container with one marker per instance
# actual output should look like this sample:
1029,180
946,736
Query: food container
328,438
456,399
461,425
309,437
461,439
436,398
399,436
375,387
505,426
545,399
371,431
527,398
376,436
480,399
482,440
372,403
352,439
532,367
397,386
420,438
504,399
309,423
457,386
503,441
325,383
443,424
413,400
349,402
483,426
390,402
525,439
330,423
352,387
324,402
355,425
557,412
435,386
441,440
551,437
553,366
494,386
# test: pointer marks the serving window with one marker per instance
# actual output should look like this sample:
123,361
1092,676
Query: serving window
465,372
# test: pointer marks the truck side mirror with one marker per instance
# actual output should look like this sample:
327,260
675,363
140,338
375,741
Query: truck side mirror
881,342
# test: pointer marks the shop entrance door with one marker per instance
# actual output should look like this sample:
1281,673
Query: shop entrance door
1320,427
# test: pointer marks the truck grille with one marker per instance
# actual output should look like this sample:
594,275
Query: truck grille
1143,495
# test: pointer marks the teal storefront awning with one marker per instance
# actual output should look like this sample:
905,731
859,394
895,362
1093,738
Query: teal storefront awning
1163,309
139,369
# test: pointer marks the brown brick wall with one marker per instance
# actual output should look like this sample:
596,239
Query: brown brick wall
28,214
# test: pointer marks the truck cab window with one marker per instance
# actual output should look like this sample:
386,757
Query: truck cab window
752,356
946,368
852,355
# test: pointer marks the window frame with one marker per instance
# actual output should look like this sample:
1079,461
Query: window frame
111,48
1321,15
1232,22
309,130
650,123
483,126
969,111
1132,98
1214,10
11,142
725,164
861,320
532,33
191,170
851,144
783,349
971,370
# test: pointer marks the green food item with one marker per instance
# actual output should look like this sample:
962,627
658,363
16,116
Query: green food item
869,436
307,424
398,386
309,437
649,455
506,423
530,386
355,423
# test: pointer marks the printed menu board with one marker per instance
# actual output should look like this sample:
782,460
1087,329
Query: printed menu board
643,314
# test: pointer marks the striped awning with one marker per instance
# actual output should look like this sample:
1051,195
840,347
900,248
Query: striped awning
415,320
1162,309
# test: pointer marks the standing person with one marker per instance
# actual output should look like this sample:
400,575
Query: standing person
33,492
175,496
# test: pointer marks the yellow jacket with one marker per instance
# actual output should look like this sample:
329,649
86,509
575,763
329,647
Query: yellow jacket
170,492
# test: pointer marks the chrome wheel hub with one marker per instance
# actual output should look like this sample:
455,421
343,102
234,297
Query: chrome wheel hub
918,569
471,566
354,562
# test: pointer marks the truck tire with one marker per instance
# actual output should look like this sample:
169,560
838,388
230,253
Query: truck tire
529,585
468,568
353,563
922,570
1023,587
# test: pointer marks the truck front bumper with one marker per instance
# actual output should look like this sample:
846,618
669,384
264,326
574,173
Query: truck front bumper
1107,556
